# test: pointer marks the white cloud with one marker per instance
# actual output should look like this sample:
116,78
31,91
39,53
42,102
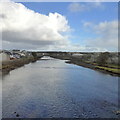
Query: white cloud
107,35
76,7
87,24
23,28
80,7
22,25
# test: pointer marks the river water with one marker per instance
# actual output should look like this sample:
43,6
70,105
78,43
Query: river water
52,88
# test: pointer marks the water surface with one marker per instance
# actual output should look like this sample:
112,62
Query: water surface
53,88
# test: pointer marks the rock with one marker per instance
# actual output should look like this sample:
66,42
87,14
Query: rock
17,115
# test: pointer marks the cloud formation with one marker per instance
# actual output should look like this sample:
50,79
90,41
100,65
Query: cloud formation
80,7
107,34
22,25
23,28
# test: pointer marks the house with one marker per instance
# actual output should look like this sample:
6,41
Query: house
22,54
16,51
25,53
15,56
4,56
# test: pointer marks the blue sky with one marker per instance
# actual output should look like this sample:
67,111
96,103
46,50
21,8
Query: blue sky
93,25
107,11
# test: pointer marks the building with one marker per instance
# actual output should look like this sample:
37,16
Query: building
4,57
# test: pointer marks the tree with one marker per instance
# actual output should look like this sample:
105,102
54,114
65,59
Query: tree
34,54
102,58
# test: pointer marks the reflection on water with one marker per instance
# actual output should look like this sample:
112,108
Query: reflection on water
47,58
52,88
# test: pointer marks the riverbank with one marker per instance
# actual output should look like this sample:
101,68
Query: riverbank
7,66
104,62
108,69
107,62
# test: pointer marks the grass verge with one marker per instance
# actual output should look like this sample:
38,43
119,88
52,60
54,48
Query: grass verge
113,70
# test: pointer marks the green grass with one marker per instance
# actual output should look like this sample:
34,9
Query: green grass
106,65
113,66
114,70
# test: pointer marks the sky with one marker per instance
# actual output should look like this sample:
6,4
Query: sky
60,26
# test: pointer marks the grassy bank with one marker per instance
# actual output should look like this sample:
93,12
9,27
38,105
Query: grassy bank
7,66
106,68
109,69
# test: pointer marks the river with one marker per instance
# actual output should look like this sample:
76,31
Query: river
52,88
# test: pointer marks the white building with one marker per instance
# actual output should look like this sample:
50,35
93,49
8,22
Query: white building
4,57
